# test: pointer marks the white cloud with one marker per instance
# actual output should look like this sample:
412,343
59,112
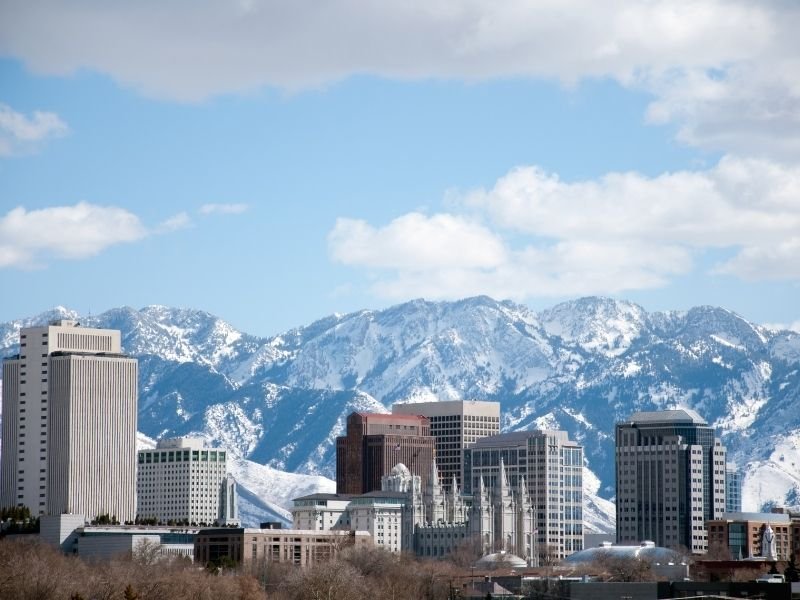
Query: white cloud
723,70
533,234
177,221
19,133
224,209
415,242
29,238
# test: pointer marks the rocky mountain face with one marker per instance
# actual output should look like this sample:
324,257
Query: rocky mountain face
580,366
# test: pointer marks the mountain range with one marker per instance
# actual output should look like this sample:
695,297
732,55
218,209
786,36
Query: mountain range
278,403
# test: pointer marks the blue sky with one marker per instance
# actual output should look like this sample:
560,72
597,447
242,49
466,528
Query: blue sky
274,164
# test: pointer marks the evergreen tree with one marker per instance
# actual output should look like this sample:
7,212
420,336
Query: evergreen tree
792,573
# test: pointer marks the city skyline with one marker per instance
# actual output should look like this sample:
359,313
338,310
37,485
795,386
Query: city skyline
360,158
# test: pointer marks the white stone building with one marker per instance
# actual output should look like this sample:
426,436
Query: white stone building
69,423
183,481
321,512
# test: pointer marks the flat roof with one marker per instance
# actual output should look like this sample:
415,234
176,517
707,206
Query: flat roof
322,496
681,415
755,516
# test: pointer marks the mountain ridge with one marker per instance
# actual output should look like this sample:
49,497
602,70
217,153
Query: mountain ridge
579,365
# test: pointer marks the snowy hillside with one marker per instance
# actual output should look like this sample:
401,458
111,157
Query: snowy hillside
579,366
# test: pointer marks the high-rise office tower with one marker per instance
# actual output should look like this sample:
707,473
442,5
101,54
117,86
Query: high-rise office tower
454,424
69,423
733,488
181,480
551,466
670,479
374,443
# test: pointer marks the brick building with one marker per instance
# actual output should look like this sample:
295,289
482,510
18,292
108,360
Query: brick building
375,443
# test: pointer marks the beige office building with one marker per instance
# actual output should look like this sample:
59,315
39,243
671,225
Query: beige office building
183,481
454,425
69,423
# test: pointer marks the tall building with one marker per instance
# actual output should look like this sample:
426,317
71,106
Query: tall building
69,423
733,488
670,479
374,443
454,424
549,466
183,481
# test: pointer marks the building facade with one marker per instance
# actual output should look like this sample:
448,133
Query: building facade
454,425
733,488
255,546
548,466
184,482
670,479
374,443
738,535
69,423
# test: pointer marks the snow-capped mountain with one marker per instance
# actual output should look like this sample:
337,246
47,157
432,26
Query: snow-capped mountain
579,366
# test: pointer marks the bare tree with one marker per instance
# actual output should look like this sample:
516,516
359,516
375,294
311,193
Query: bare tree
612,567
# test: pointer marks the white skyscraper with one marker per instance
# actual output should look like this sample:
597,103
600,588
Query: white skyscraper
69,423
182,481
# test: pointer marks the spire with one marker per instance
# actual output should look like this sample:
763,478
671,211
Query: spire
502,485
433,480
455,487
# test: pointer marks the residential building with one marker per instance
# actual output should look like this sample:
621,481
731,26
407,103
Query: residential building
374,443
670,479
454,425
254,546
182,481
544,469
69,423
733,488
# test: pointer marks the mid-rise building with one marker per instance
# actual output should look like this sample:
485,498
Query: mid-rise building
374,443
182,481
69,423
548,467
670,479
736,536
733,488
454,425
257,546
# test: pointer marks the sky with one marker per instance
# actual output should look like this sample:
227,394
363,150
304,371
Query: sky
275,162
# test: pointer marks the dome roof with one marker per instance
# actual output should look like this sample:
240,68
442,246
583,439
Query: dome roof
400,470
646,550
501,559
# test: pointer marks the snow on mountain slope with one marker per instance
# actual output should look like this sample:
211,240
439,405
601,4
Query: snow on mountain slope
581,365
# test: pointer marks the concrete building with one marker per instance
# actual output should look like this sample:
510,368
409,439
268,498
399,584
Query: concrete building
69,423
72,535
454,425
183,481
670,479
374,443
733,488
548,466
738,535
321,512
380,514
254,546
